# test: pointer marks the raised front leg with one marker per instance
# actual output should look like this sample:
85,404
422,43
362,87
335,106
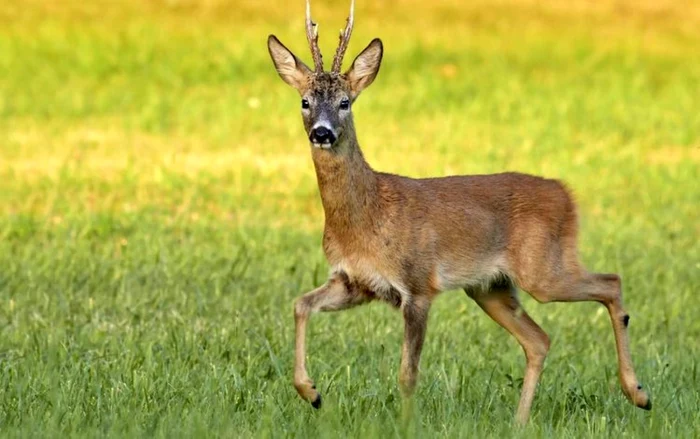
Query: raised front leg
415,315
335,295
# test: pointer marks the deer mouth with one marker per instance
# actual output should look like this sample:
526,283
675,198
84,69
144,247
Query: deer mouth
322,145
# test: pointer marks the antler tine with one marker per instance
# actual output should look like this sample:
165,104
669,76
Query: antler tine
312,36
344,40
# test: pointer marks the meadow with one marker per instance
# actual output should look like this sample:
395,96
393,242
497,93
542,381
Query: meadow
159,215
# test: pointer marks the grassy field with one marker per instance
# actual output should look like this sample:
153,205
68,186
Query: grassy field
159,214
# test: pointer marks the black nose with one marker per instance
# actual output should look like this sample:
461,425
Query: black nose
322,135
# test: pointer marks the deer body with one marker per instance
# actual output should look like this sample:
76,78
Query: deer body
404,240
437,234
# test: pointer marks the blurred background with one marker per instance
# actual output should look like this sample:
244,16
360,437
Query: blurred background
159,211
173,91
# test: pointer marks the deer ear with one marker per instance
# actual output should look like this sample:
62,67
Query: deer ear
365,67
290,68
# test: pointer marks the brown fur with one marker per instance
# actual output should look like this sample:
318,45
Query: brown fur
404,240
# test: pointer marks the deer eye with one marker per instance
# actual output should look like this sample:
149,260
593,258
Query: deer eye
304,104
344,104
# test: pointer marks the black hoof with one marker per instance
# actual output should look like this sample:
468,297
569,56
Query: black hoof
316,403
647,406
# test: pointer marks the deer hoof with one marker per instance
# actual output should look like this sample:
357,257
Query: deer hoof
642,399
316,403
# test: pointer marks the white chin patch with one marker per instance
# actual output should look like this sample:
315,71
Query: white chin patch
325,145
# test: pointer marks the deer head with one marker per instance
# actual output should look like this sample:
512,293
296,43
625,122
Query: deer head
327,97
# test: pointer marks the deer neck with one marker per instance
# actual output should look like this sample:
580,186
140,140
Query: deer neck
347,184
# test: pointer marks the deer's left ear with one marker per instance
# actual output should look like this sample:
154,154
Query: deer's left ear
365,67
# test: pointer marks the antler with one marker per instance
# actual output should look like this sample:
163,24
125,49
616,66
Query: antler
344,40
312,36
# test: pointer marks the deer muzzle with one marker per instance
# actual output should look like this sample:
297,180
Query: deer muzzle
322,137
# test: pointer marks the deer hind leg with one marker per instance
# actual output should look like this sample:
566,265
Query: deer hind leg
337,294
502,305
605,289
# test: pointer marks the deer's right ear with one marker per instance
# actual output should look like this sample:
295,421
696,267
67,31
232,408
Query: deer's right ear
290,68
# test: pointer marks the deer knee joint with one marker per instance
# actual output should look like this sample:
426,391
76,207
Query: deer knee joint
616,282
546,343
537,353
301,308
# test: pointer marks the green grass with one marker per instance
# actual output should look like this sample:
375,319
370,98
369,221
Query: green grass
159,214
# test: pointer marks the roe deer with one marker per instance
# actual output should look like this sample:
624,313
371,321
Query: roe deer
403,240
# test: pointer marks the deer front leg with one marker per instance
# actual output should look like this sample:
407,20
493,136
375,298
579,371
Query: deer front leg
335,295
415,315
